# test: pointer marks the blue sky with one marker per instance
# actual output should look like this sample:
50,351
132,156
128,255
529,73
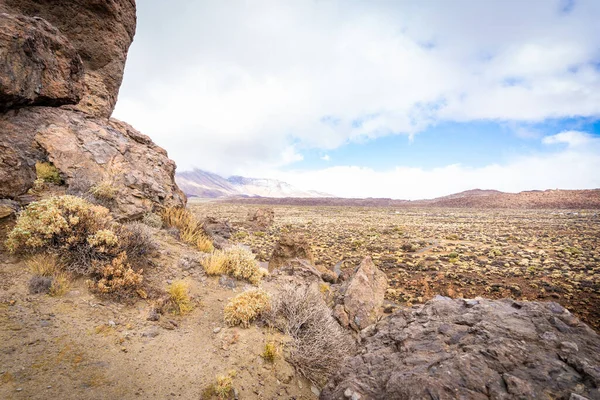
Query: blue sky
470,143
406,99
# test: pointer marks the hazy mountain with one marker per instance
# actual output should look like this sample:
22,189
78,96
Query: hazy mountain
534,199
199,183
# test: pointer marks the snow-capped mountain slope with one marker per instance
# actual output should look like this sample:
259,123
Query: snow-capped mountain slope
198,183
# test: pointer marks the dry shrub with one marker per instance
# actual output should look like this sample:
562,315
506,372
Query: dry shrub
235,261
104,190
190,229
40,284
66,225
116,278
137,241
179,298
246,307
47,172
318,343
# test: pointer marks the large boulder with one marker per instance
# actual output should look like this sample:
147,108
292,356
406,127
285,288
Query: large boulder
87,151
39,66
363,298
473,349
100,31
289,247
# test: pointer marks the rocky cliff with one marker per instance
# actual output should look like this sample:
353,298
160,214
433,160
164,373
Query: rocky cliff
61,68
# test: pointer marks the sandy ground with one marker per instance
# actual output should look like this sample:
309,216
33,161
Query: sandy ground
81,347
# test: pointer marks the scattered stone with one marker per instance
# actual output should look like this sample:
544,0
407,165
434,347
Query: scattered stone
151,332
217,330
227,282
153,315
364,296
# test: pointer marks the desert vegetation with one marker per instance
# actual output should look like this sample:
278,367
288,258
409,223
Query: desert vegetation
522,254
237,262
187,226
246,307
318,343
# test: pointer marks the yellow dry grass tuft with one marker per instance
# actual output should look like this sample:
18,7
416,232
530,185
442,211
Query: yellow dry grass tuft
43,264
104,190
61,282
179,297
246,307
222,388
235,261
47,172
270,352
190,229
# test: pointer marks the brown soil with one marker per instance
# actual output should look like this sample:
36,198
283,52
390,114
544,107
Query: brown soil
82,347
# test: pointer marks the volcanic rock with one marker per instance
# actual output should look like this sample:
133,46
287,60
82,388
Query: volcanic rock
289,247
261,218
451,349
87,151
364,296
100,31
39,65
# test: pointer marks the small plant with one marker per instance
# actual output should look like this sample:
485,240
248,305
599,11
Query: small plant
116,278
453,255
222,388
47,172
246,307
270,351
235,261
40,284
43,264
104,190
190,229
61,282
179,297
204,244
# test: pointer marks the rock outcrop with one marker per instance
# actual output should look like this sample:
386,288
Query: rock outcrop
261,218
39,65
363,298
87,151
63,65
99,30
473,349
289,247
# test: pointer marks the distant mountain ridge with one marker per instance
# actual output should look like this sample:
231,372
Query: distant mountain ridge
476,198
199,183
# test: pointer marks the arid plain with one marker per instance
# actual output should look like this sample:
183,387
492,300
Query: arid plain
460,253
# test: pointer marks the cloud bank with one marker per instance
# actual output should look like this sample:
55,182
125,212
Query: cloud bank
247,87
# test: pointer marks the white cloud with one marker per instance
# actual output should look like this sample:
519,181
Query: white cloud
571,168
326,157
571,138
236,85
